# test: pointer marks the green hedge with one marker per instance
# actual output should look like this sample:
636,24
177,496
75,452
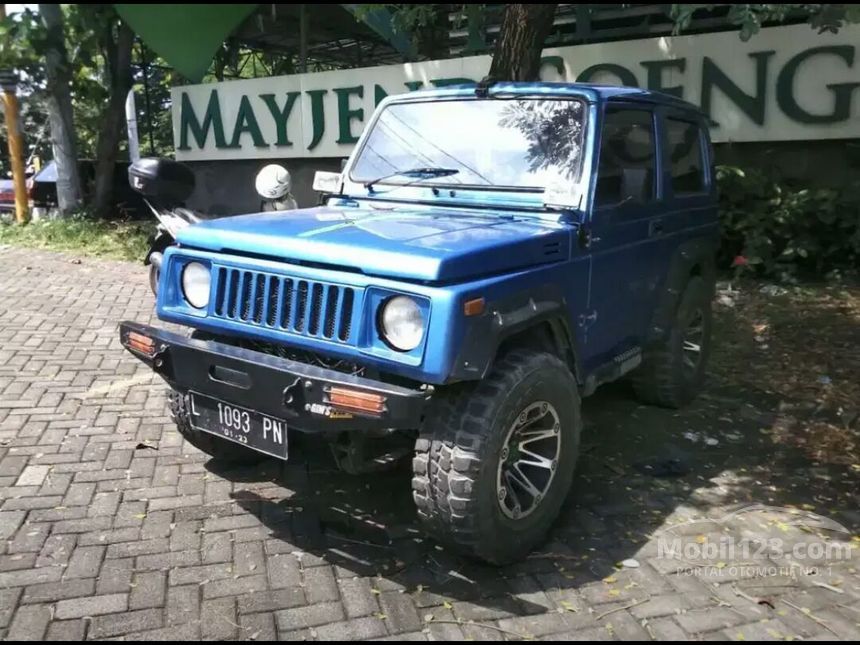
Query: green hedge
776,228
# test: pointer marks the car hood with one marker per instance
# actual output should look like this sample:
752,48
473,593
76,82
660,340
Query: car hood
433,244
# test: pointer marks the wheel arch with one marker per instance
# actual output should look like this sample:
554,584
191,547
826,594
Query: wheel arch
550,334
692,258
537,319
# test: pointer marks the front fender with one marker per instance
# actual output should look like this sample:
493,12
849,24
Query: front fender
506,317
692,257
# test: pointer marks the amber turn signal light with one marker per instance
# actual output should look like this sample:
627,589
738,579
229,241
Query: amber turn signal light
140,343
474,307
356,401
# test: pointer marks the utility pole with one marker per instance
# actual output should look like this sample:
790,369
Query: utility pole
9,84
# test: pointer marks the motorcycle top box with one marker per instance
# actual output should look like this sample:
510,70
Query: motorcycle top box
168,182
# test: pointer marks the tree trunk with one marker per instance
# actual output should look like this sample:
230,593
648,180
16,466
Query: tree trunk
59,107
524,30
117,55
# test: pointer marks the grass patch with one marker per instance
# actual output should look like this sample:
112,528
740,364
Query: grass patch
124,240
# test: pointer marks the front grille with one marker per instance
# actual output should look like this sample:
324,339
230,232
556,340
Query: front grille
294,305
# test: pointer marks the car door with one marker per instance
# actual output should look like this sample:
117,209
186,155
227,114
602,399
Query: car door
626,222
687,180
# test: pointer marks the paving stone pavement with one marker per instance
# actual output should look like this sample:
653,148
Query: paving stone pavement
111,526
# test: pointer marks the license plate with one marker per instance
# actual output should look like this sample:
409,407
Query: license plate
240,425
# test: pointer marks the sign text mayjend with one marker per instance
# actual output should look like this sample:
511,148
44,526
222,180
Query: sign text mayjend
786,83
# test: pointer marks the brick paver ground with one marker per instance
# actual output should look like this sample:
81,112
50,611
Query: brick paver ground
111,526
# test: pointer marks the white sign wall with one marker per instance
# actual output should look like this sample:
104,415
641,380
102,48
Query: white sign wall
786,83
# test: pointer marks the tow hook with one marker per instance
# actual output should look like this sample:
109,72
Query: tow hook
159,360
294,397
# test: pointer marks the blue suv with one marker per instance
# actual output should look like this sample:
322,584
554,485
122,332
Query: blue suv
487,257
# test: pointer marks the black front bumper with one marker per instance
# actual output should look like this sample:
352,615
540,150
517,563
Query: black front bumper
278,387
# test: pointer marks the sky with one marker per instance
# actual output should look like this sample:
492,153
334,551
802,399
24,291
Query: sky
16,8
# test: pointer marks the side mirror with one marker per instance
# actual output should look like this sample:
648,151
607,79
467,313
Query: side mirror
327,182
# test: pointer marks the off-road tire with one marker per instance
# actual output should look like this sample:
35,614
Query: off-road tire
662,379
222,450
457,455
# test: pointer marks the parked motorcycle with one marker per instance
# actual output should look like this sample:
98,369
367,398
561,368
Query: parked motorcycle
165,186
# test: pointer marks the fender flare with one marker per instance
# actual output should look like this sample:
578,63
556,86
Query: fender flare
694,257
507,317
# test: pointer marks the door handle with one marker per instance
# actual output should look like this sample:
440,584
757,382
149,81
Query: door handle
655,227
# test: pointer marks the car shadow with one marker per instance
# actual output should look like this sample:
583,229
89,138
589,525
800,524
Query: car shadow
639,465
640,469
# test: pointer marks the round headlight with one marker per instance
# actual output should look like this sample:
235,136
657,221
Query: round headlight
195,284
401,323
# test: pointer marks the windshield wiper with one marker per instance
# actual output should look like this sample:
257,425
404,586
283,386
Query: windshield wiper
416,173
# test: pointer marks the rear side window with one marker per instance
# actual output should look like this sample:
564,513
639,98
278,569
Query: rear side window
685,157
626,168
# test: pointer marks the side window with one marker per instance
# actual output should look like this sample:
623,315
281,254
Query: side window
626,169
685,157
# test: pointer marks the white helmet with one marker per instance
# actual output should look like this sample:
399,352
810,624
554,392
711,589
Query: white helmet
273,182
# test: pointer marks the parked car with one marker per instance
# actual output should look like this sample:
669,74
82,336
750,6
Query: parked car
7,195
487,257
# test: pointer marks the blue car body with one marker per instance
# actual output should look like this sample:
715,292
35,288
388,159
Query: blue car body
599,278
487,256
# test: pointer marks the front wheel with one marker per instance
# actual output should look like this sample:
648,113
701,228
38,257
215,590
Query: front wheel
495,460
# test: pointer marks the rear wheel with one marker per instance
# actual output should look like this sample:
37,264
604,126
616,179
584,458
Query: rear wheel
494,460
673,371
220,449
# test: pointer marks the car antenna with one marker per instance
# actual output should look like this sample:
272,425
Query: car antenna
482,90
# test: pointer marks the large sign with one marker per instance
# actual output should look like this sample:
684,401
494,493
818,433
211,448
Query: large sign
786,83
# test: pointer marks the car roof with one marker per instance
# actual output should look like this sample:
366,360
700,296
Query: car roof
593,92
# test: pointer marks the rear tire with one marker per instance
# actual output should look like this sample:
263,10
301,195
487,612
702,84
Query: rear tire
673,371
220,449
471,447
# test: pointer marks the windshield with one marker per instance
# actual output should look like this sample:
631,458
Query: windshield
526,143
